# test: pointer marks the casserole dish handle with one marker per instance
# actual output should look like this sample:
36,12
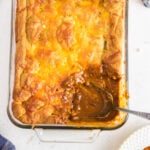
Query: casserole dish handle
69,135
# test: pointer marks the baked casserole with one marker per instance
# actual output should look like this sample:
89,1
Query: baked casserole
64,49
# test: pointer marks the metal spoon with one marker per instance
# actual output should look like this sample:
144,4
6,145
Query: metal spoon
109,107
137,113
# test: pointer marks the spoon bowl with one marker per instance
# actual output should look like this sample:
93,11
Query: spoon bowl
109,107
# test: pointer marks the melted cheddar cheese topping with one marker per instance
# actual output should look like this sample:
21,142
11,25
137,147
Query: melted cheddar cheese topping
58,38
65,36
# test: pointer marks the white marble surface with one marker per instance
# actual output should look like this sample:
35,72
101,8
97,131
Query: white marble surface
139,85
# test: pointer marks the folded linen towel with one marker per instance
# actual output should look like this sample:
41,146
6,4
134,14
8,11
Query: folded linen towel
6,144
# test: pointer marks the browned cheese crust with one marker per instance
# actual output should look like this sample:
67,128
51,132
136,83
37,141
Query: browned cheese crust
56,40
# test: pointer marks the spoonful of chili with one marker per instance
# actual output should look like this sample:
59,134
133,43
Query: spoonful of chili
101,104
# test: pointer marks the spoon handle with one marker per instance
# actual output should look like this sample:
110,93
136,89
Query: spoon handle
137,113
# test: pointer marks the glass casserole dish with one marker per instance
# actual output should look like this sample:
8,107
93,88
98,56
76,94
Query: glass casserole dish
88,35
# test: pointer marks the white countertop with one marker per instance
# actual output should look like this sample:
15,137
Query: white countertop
139,85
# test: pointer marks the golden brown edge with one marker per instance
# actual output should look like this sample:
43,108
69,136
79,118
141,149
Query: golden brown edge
20,39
